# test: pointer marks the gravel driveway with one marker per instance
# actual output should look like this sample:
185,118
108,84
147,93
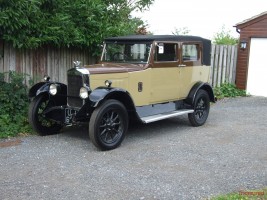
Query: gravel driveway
162,160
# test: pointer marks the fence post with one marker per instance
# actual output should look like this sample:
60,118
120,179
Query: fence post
212,57
224,65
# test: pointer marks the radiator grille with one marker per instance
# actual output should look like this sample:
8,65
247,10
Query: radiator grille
75,82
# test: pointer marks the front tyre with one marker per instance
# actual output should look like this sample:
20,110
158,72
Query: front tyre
39,123
201,109
108,125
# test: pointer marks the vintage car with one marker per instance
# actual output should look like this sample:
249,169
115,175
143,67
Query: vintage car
141,77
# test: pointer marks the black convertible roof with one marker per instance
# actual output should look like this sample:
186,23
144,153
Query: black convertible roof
172,38
156,37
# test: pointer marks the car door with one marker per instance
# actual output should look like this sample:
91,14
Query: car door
191,69
165,72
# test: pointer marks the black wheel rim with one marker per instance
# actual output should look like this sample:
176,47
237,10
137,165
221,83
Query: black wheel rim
41,117
111,127
201,109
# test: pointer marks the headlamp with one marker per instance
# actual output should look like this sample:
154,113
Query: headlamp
53,89
84,93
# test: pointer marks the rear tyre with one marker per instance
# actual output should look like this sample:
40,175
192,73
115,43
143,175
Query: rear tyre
37,120
108,125
201,109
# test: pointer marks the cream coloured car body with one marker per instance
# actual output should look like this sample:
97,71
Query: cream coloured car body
159,84
161,81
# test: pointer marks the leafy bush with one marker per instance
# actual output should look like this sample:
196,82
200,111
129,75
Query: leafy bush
228,90
79,23
224,37
13,105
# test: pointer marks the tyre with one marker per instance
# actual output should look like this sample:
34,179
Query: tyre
40,124
108,125
201,109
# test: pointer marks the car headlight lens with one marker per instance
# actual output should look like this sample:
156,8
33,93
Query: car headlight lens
53,89
84,93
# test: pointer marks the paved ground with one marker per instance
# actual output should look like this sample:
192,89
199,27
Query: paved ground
162,160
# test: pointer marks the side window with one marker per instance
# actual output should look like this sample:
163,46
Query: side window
190,52
165,52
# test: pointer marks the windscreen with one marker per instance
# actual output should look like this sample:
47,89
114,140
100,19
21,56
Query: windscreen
126,52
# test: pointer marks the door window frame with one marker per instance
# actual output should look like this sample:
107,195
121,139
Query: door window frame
193,62
171,63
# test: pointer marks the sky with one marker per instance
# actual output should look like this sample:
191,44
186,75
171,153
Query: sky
202,18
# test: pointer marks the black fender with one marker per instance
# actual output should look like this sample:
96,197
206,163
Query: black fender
99,95
33,90
42,87
200,85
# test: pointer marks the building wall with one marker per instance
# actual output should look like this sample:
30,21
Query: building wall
254,28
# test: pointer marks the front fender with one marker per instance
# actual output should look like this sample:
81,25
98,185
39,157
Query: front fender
42,87
99,95
33,90
102,93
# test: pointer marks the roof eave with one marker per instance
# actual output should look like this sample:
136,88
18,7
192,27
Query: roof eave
251,20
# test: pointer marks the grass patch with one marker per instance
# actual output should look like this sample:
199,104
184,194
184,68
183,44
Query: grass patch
260,194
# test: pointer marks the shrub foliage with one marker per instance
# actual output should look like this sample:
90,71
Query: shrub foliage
79,23
13,105
224,37
228,90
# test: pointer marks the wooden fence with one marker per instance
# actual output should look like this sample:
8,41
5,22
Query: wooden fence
55,62
46,60
223,64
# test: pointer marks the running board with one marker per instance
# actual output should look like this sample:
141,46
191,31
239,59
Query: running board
166,115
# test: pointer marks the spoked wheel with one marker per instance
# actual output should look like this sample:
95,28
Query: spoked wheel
40,124
108,125
201,109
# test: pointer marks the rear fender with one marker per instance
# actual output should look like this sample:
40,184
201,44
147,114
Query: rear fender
200,85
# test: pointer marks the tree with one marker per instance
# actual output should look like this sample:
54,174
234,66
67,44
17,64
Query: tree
224,37
181,31
79,23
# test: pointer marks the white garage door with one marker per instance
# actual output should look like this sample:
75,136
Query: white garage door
257,68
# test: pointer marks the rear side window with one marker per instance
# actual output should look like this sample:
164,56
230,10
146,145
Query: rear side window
190,52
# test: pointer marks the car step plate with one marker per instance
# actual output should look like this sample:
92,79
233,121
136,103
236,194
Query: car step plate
166,115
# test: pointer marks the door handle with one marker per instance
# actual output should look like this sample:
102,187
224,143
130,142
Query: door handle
182,65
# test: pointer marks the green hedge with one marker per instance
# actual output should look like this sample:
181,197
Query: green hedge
13,105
